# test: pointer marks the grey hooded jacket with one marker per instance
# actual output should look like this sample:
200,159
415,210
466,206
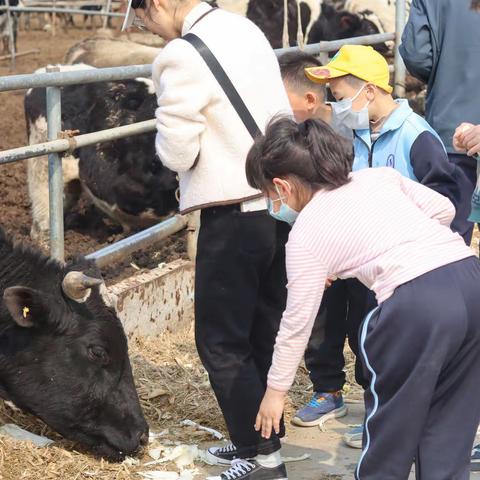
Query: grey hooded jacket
441,46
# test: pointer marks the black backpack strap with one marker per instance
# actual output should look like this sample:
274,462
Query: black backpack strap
225,82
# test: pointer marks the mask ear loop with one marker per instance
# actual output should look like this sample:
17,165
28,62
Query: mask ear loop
280,196
358,93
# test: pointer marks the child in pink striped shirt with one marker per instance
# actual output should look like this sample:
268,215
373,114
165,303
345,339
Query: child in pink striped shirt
421,345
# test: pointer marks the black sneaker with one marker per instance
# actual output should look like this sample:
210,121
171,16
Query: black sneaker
475,459
222,455
251,470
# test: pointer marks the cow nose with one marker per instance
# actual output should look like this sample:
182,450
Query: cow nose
143,439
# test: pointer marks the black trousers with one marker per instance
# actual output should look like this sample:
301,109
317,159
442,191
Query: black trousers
421,351
467,179
344,307
240,295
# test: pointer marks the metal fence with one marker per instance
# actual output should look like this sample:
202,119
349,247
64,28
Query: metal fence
54,79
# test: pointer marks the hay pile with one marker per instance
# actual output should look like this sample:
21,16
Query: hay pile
172,385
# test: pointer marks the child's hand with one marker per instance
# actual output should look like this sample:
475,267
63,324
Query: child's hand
458,137
270,412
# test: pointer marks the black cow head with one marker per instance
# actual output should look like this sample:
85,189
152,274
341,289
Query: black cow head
64,355
335,25
127,172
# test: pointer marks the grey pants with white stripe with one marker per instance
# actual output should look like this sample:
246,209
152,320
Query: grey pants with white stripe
421,352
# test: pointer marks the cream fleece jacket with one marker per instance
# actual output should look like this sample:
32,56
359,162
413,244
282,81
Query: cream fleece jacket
199,134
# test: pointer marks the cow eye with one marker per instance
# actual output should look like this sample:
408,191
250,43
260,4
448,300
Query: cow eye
98,354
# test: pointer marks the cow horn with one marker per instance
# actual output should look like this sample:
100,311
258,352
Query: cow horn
77,285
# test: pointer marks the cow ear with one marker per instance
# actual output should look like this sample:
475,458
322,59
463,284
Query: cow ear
26,306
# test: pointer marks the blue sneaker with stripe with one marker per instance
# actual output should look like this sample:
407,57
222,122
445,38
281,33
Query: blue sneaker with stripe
322,407
475,459
353,437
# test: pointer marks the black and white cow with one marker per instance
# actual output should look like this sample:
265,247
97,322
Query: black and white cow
64,354
321,20
124,178
268,15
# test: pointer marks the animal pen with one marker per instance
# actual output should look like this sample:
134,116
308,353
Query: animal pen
60,142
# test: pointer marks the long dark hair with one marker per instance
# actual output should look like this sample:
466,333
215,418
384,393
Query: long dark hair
309,152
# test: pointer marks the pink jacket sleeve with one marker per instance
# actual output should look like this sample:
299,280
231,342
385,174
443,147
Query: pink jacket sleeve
306,283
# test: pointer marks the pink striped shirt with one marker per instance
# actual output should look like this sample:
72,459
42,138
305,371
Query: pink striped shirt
381,228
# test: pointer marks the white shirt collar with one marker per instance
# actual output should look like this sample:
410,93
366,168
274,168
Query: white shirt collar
194,15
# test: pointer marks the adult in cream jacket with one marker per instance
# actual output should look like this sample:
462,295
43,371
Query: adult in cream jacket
240,286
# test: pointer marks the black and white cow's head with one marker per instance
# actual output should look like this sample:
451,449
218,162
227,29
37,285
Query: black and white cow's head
127,172
64,354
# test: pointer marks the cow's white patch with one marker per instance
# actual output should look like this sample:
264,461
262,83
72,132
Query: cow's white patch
38,130
380,12
315,10
37,179
149,83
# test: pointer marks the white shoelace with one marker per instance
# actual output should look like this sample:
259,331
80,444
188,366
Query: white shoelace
229,448
239,467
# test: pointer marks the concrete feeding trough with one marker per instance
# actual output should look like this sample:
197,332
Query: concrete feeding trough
150,303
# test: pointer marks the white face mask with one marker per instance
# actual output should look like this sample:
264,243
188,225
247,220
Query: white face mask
342,113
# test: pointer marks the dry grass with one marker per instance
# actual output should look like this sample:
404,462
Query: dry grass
172,385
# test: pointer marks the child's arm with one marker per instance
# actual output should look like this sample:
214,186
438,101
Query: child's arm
432,167
433,204
416,47
306,284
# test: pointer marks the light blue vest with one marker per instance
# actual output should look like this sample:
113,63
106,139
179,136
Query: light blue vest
392,147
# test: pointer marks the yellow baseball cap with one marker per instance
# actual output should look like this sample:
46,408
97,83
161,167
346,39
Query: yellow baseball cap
357,60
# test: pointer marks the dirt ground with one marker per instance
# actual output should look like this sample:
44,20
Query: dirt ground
86,229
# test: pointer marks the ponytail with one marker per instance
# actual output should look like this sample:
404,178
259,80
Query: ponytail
311,152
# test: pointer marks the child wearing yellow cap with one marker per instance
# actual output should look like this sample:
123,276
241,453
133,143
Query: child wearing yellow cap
386,131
